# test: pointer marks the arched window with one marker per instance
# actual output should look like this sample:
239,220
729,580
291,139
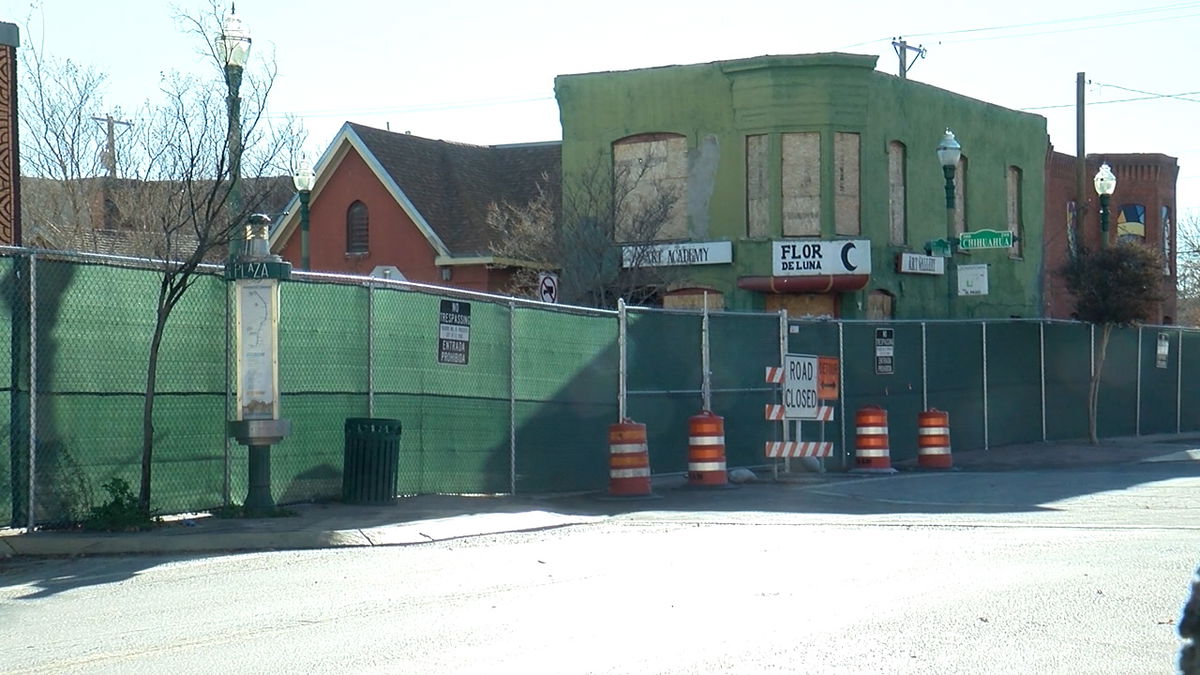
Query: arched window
357,240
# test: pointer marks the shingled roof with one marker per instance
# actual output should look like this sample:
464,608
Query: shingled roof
451,185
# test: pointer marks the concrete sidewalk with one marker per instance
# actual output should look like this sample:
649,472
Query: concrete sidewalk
427,518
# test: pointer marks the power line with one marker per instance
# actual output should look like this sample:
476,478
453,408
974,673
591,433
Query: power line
1181,97
1094,17
418,108
1110,15
1122,100
1118,24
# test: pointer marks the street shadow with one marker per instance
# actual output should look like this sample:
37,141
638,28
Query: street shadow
46,577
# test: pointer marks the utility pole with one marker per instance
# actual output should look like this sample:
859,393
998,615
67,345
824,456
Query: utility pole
110,163
902,49
110,154
1080,158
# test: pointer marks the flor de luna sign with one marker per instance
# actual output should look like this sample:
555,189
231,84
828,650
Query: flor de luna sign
811,258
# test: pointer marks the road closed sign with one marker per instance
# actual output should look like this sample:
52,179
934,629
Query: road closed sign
800,387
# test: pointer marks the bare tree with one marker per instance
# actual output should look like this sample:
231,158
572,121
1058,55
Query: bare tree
1187,267
1114,286
598,234
183,169
63,149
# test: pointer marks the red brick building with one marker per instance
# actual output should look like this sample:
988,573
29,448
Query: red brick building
402,206
1142,209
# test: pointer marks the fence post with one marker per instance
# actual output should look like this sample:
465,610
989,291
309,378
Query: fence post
622,318
30,518
842,394
371,348
706,376
924,371
227,488
1179,386
787,425
1137,420
512,397
1042,367
985,388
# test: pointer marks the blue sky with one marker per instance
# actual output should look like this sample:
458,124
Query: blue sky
483,72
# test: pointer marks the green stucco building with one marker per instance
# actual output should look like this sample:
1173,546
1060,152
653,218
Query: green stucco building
811,183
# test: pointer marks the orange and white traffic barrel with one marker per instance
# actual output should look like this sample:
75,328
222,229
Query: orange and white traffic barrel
871,451
706,451
933,440
628,460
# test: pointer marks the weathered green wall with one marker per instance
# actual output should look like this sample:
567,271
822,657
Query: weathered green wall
717,105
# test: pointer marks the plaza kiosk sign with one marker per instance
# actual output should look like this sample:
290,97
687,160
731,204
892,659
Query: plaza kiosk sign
798,257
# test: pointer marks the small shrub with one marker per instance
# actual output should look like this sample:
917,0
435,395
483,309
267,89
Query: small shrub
120,513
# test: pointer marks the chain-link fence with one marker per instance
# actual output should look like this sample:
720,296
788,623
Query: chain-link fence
522,404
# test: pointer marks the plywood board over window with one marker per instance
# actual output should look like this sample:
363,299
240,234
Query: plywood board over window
799,306
758,189
801,184
845,183
897,213
1014,212
650,187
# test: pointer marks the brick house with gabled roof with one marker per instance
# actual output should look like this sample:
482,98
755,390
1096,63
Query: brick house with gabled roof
394,204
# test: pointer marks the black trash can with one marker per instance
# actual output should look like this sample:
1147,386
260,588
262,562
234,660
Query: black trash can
371,460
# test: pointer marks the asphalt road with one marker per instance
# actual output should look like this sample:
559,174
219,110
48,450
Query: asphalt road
1036,572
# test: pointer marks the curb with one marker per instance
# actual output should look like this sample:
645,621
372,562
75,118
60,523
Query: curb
406,534
1179,456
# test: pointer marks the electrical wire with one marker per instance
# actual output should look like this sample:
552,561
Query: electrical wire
1095,17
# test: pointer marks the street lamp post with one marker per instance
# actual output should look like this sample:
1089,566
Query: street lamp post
948,152
1106,184
303,180
233,48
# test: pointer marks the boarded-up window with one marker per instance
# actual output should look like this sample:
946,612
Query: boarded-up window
694,298
758,192
897,223
801,184
881,305
1014,212
845,183
650,187
960,196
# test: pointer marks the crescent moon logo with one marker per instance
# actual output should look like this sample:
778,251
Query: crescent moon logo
846,256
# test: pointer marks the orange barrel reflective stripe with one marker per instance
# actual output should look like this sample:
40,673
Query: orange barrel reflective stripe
933,440
871,451
628,460
706,450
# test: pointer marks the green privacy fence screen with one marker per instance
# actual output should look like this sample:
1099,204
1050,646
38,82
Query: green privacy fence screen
527,411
